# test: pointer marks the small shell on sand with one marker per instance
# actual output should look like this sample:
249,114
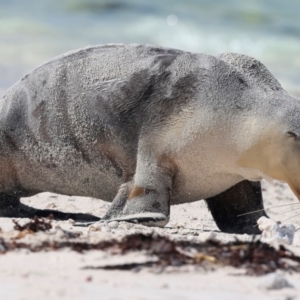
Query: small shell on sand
274,281
113,224
95,227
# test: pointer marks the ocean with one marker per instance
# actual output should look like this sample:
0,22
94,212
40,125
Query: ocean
33,31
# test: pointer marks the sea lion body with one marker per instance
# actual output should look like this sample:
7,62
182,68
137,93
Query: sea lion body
153,126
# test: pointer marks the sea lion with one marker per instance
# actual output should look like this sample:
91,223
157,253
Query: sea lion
146,127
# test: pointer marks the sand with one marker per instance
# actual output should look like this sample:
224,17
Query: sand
62,274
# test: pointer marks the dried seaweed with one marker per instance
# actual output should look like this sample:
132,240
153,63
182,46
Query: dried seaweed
34,225
255,257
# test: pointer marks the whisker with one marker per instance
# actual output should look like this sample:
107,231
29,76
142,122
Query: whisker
252,212
290,210
297,229
286,219
266,209
291,218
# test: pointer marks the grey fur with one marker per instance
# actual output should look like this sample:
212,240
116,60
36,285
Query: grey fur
89,121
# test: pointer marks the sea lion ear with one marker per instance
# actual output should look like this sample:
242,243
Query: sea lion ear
292,135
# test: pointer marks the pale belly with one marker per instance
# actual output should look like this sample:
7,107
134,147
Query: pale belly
206,167
195,186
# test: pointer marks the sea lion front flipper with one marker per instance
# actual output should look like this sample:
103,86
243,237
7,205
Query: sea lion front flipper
11,207
242,198
139,205
146,199
117,206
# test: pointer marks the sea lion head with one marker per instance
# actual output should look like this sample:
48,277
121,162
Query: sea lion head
273,143
277,155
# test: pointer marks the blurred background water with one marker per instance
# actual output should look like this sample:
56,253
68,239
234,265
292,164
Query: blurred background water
33,31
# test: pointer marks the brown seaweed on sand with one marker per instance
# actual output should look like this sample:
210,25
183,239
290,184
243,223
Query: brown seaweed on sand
35,224
253,258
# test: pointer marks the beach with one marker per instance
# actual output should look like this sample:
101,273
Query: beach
68,274
31,33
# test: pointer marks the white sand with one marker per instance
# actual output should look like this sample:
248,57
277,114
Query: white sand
59,274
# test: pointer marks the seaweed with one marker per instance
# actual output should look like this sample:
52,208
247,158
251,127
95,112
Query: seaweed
254,257
34,225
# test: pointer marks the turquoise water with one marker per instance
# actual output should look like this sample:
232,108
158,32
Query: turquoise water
32,31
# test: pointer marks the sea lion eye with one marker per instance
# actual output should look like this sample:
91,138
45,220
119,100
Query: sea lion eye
292,134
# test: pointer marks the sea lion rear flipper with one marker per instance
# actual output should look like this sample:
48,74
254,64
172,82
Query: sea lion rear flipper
11,207
30,212
242,198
